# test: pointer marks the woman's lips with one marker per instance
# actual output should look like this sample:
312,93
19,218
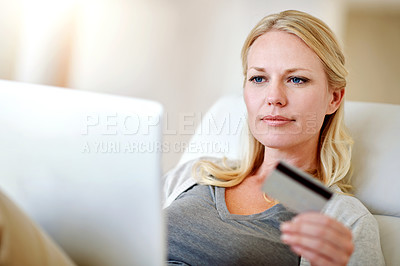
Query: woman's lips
276,120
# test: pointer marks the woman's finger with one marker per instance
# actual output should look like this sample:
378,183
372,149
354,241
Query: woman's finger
324,220
320,248
313,258
318,238
339,238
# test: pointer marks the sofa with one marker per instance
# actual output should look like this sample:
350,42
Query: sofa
375,128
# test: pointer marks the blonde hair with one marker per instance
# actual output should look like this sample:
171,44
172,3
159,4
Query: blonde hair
335,144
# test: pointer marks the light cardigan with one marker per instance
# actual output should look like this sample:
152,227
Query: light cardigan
346,209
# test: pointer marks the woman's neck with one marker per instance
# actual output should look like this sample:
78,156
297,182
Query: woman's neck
303,157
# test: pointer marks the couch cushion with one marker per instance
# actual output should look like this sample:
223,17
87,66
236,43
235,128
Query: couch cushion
376,156
222,124
389,228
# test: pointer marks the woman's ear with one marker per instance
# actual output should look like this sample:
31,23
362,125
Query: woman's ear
336,99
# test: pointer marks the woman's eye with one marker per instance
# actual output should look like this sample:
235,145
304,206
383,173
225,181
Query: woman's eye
257,79
297,80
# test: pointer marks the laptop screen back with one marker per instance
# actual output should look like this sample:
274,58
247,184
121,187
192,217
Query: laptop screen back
86,167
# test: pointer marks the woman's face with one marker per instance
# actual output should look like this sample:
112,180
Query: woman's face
286,92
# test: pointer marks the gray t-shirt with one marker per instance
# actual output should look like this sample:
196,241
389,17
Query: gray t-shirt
201,231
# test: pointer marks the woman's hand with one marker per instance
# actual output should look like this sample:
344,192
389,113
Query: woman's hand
319,238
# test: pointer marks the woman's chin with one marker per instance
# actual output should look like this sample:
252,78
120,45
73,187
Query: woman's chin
278,146
278,141
288,142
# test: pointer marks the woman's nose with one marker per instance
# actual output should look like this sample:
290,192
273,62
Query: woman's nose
276,94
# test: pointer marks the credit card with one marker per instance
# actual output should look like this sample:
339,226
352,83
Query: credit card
295,189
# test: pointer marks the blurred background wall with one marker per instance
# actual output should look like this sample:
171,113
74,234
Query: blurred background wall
182,53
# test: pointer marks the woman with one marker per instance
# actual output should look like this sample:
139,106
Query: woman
293,73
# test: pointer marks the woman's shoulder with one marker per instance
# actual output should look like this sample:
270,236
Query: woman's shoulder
179,178
351,212
346,209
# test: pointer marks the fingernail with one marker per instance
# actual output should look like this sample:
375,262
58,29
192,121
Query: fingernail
285,237
285,226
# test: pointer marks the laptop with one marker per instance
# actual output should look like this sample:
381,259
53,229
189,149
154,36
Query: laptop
87,168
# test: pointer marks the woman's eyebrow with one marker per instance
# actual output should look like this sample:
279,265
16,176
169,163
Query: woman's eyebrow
261,69
291,70
288,71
